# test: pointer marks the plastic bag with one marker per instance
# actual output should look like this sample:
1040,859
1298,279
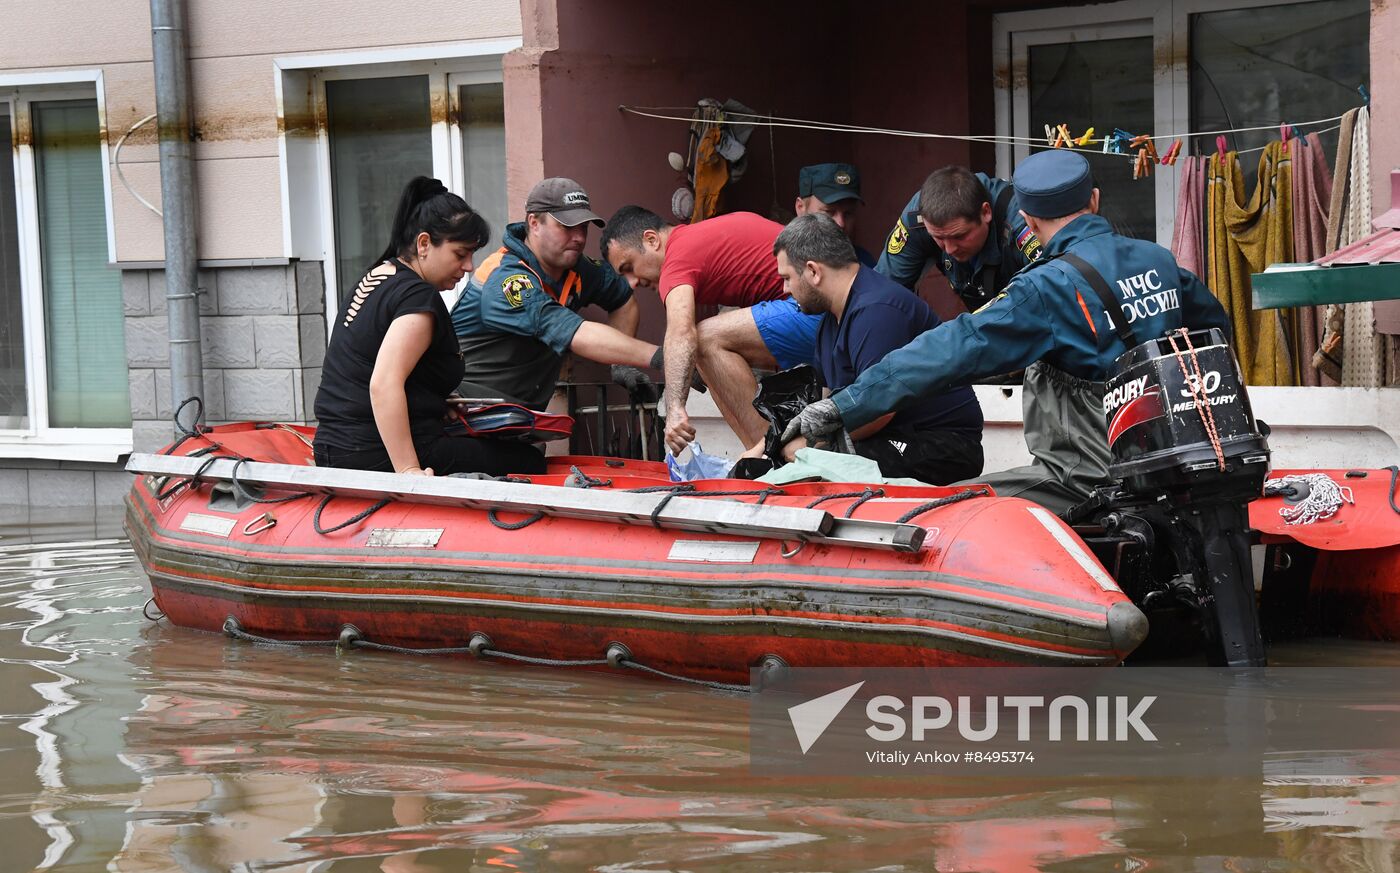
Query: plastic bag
698,465
780,398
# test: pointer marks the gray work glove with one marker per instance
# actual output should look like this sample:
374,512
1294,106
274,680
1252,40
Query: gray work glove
658,363
816,420
640,389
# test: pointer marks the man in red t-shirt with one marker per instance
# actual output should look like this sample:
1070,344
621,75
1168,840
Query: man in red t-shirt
727,260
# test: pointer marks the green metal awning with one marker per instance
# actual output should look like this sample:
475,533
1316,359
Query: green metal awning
1283,285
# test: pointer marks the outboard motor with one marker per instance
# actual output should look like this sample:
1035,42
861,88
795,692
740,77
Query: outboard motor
1184,442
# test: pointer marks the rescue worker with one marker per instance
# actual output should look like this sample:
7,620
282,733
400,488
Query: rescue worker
965,224
520,312
834,190
722,261
936,438
1054,318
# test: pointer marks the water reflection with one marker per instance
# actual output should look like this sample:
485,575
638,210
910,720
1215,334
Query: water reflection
133,746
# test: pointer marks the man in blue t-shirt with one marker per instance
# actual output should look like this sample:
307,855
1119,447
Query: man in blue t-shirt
935,439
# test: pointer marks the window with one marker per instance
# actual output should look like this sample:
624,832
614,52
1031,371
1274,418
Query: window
1253,63
356,132
64,391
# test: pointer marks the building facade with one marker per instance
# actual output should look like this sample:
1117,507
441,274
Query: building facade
309,118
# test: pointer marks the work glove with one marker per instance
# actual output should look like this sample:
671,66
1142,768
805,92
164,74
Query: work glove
639,387
815,420
658,363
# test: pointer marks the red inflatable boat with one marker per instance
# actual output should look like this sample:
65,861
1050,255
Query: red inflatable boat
607,563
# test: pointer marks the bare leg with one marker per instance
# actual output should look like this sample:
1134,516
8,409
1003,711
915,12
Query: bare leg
729,347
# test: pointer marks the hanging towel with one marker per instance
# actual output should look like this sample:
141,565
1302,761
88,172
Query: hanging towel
1190,211
1367,357
1245,238
1312,196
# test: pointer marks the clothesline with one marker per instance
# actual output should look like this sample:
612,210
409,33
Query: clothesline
661,112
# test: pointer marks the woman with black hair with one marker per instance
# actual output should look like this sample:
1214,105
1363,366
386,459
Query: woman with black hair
393,359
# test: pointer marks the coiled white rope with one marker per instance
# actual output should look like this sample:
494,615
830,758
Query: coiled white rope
1320,502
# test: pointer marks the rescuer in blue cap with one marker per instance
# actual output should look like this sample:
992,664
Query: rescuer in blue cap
1093,295
834,190
967,226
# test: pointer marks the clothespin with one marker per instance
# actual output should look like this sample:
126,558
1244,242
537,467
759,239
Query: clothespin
1365,95
1086,138
1170,157
1051,135
1220,146
1298,135
1115,143
1062,137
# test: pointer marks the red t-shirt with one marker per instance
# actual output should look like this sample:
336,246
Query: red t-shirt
727,259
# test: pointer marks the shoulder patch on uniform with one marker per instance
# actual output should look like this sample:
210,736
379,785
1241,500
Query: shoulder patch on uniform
1001,295
514,287
898,237
1028,243
595,261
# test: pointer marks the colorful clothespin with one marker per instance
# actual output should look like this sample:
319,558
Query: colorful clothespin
1298,135
1284,134
1051,135
1086,138
1146,156
1365,95
1170,157
1116,143
1220,145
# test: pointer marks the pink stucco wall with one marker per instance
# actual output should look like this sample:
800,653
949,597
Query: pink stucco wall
856,63
1385,99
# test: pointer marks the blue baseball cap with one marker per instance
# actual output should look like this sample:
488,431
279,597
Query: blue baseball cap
829,183
1053,183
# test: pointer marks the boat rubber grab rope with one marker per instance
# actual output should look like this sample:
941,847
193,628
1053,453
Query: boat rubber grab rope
187,433
762,494
513,525
245,494
351,637
1394,475
862,497
357,517
942,501
1318,497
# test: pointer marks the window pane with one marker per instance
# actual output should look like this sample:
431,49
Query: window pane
84,340
14,407
1253,67
483,125
1102,84
380,137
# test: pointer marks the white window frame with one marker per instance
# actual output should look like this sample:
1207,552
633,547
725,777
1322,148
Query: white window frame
1170,28
305,163
38,440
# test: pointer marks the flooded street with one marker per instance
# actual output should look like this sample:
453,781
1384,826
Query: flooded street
132,745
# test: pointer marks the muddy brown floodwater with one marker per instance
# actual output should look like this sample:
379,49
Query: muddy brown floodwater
129,745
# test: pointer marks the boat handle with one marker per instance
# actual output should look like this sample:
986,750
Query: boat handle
790,553
268,520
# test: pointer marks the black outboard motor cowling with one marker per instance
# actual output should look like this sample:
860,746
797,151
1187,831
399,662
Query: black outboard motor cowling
1184,439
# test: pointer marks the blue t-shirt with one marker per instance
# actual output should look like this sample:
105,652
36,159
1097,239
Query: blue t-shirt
881,316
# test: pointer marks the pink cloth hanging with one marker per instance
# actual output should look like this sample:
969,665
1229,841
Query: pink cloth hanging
1312,197
1187,233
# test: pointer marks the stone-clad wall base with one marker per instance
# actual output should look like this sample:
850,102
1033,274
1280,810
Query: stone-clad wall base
263,338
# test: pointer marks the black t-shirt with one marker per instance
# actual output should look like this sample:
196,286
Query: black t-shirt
342,403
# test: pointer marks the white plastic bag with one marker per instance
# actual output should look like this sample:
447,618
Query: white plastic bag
693,463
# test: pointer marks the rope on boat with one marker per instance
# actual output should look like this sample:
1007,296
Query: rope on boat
1318,496
513,525
245,494
479,646
942,501
1394,475
867,494
146,610
360,516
